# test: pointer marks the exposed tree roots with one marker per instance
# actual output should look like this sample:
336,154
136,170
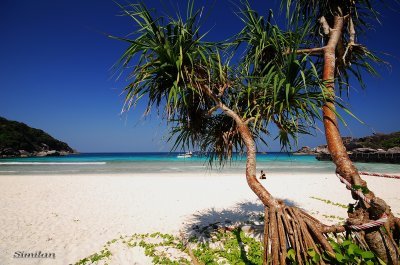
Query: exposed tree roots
291,228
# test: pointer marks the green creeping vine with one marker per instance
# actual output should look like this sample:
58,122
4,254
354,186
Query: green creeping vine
96,257
346,252
155,246
332,217
228,247
224,247
330,202
155,250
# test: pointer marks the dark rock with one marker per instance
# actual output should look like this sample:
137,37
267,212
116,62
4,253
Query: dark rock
304,150
44,146
9,152
347,140
52,153
41,153
353,145
322,149
23,153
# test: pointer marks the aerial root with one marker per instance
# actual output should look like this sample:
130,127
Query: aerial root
291,228
397,224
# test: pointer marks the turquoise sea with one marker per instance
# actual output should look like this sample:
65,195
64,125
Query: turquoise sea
117,163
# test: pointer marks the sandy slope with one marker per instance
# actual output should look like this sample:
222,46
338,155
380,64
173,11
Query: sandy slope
74,215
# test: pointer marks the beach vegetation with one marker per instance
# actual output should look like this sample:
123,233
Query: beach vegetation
330,202
380,141
235,248
218,104
334,43
224,247
333,217
230,247
345,252
102,255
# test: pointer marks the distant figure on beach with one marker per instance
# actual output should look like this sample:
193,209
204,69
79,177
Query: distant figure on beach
262,175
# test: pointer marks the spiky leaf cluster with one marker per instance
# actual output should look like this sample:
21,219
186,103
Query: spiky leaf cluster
191,83
353,57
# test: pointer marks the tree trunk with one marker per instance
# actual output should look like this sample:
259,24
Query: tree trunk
344,166
251,170
271,204
251,173
379,242
284,227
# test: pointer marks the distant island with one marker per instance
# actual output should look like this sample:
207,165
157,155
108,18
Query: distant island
379,147
19,140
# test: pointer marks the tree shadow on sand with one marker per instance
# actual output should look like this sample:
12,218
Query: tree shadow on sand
247,215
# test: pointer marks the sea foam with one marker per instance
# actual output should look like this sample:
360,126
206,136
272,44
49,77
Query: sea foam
53,163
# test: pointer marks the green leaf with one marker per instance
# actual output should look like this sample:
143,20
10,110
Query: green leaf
291,254
346,243
311,252
339,257
367,255
335,246
351,249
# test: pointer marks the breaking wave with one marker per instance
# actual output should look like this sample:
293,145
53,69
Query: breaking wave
53,163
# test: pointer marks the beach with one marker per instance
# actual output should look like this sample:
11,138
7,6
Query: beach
73,216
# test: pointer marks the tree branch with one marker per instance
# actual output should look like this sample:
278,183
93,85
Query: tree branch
222,89
308,51
212,110
251,119
352,31
325,25
352,38
219,104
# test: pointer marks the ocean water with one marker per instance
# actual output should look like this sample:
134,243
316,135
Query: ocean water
125,163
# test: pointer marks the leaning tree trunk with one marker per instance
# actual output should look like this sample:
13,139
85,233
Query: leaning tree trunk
381,243
284,227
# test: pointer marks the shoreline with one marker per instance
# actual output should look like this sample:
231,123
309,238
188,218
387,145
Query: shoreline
73,216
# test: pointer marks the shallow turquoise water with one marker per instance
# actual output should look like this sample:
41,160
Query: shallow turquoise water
107,163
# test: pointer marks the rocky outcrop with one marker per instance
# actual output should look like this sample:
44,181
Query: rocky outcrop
376,157
305,150
19,140
379,148
322,149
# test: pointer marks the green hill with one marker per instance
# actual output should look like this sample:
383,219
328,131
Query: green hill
18,139
379,140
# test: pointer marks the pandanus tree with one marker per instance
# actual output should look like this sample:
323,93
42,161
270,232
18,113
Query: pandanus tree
218,108
333,42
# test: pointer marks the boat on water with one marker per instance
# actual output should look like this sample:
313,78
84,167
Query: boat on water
185,155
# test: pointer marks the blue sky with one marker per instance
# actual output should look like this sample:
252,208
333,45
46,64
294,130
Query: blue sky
55,61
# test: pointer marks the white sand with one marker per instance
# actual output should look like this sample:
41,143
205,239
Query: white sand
74,216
